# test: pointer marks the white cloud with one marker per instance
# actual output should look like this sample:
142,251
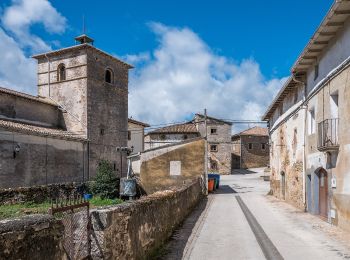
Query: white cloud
17,70
185,76
22,14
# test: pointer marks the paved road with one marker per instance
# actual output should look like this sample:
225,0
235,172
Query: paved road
241,222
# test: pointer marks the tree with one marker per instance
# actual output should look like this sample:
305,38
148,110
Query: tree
106,182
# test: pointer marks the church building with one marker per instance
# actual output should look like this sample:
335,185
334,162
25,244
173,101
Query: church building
78,118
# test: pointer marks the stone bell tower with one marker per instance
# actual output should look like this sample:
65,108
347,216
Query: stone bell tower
91,87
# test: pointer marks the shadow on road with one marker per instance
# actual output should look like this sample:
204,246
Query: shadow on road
176,245
224,189
242,171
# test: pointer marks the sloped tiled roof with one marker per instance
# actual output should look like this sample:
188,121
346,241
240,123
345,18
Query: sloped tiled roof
187,128
40,131
256,130
27,96
131,120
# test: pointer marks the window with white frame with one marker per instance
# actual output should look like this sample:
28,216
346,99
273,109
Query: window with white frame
312,121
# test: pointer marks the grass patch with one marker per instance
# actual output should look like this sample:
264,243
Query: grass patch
18,210
98,201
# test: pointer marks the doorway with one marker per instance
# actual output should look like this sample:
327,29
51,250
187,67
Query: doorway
323,192
283,185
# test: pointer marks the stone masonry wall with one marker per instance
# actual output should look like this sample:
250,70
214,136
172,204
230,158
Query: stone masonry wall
32,237
256,157
40,161
135,230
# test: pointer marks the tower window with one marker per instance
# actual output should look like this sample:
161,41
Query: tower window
108,76
61,72
129,135
213,148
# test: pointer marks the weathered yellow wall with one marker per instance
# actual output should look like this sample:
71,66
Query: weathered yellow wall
155,165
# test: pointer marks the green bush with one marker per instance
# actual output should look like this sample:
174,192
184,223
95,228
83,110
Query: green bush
106,182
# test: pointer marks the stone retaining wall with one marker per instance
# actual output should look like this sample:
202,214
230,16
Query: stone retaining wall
135,230
37,194
32,237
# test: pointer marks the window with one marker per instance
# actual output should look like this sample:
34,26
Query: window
213,131
296,96
162,137
213,148
114,166
185,137
312,121
334,105
102,131
280,109
109,76
263,146
213,165
250,146
129,135
316,71
61,72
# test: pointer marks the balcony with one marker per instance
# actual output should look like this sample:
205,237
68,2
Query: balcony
328,135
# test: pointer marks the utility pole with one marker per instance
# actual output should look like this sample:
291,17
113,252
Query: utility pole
206,151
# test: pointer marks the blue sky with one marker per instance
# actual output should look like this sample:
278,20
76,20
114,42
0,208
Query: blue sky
228,56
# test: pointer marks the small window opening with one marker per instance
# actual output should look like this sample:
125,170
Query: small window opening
250,146
162,137
114,166
312,121
129,135
213,131
263,146
102,131
316,71
61,72
108,76
185,137
213,148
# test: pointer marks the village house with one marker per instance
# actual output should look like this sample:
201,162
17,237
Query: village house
78,118
309,123
218,135
170,134
250,148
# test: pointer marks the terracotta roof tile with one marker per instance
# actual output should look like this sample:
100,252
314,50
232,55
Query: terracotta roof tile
131,120
256,130
178,128
40,131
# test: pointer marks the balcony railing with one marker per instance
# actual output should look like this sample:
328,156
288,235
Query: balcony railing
328,134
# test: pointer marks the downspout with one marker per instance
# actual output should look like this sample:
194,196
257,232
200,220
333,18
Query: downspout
48,75
305,107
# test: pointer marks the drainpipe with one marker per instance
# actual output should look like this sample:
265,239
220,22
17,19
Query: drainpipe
305,107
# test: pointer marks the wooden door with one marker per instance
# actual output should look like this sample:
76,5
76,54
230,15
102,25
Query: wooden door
323,193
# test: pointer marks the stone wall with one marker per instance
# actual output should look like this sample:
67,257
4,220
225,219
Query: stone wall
170,166
32,237
37,194
135,230
23,109
40,161
255,157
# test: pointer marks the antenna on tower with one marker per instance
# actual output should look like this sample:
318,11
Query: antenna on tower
83,24
84,38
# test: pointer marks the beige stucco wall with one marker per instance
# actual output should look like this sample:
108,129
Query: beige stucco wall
156,170
335,162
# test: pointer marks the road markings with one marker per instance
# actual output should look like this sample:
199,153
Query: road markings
266,245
